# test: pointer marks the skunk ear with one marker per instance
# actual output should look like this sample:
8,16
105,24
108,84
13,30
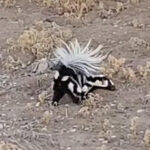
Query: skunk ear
56,66
51,64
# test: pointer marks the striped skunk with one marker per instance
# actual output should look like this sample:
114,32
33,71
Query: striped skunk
77,72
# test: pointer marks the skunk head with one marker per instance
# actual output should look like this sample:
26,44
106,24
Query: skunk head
56,66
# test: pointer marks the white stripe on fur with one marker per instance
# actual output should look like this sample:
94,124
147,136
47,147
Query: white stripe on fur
79,90
56,75
98,83
65,78
85,88
71,87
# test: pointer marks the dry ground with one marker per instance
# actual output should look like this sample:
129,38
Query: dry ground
112,121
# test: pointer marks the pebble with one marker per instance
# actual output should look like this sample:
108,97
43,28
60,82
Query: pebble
140,111
3,115
86,129
101,139
37,104
113,136
105,142
116,26
1,126
32,98
72,130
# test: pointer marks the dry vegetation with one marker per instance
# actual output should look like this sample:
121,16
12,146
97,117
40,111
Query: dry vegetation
138,42
144,71
78,8
117,67
105,120
8,146
7,3
36,42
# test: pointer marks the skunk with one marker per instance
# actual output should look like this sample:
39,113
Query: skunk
77,72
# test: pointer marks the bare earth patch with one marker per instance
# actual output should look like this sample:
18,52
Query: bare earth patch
30,31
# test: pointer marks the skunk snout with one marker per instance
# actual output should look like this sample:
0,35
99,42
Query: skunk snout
56,66
52,68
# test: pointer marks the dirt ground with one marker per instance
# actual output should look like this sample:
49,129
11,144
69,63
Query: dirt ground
114,120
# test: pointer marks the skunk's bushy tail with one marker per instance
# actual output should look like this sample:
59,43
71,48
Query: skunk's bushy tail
82,60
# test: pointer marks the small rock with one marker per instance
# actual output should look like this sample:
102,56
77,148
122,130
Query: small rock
44,129
3,115
86,128
101,139
32,98
105,142
41,66
115,26
73,130
37,104
113,136
140,111
68,148
1,126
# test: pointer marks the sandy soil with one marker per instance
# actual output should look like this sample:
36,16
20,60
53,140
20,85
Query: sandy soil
114,121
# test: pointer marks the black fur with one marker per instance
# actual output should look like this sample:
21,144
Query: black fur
79,70
61,87
102,79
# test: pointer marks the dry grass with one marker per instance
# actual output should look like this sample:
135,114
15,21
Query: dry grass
41,38
144,71
7,3
117,67
137,23
78,8
42,97
90,105
8,146
23,140
134,1
46,117
134,124
136,42
35,43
